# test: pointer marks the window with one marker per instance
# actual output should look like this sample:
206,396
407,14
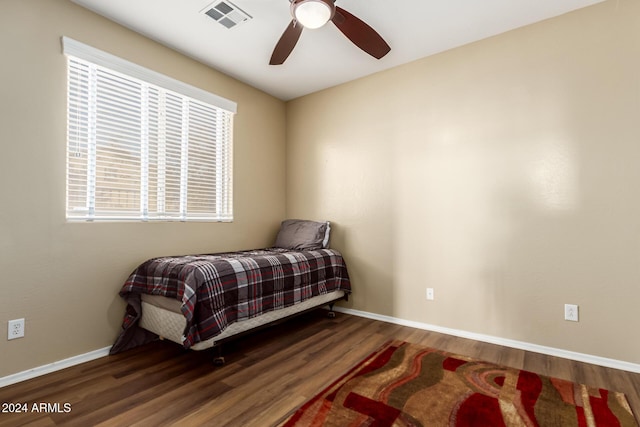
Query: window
142,146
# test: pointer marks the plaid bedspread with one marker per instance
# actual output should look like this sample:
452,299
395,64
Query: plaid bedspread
217,290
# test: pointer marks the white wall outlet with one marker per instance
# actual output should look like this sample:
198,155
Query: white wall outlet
571,312
430,294
15,329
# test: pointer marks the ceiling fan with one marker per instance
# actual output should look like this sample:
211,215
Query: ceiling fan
315,14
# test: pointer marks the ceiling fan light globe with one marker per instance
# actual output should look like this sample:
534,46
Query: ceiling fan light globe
312,13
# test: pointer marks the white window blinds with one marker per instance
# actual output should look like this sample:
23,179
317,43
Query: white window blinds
141,151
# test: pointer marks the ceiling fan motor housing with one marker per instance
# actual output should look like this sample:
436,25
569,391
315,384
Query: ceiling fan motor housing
313,13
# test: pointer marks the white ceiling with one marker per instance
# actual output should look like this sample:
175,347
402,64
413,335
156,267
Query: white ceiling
323,57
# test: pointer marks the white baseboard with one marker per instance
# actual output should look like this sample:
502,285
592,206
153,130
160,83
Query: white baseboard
551,351
557,352
52,367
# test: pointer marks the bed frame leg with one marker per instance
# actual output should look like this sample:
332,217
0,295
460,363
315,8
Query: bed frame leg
218,360
331,314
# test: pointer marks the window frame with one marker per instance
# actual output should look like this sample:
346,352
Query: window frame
221,135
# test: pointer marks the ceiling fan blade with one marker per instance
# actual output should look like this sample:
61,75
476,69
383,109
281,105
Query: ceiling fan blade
286,43
361,34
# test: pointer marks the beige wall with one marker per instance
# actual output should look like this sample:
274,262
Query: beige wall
504,174
64,278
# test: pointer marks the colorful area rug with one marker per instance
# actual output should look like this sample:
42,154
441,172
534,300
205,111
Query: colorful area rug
405,384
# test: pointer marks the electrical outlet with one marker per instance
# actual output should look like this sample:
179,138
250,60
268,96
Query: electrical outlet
430,294
15,329
571,312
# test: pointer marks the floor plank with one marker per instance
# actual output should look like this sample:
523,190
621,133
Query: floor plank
267,375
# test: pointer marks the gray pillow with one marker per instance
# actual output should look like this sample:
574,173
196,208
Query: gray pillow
303,235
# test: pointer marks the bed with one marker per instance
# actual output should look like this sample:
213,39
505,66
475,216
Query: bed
201,301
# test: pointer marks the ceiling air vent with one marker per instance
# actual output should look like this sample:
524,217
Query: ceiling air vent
226,13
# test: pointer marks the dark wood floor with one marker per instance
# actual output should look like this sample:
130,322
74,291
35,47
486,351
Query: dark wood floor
267,375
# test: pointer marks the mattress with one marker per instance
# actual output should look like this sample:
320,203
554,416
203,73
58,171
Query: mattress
162,316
